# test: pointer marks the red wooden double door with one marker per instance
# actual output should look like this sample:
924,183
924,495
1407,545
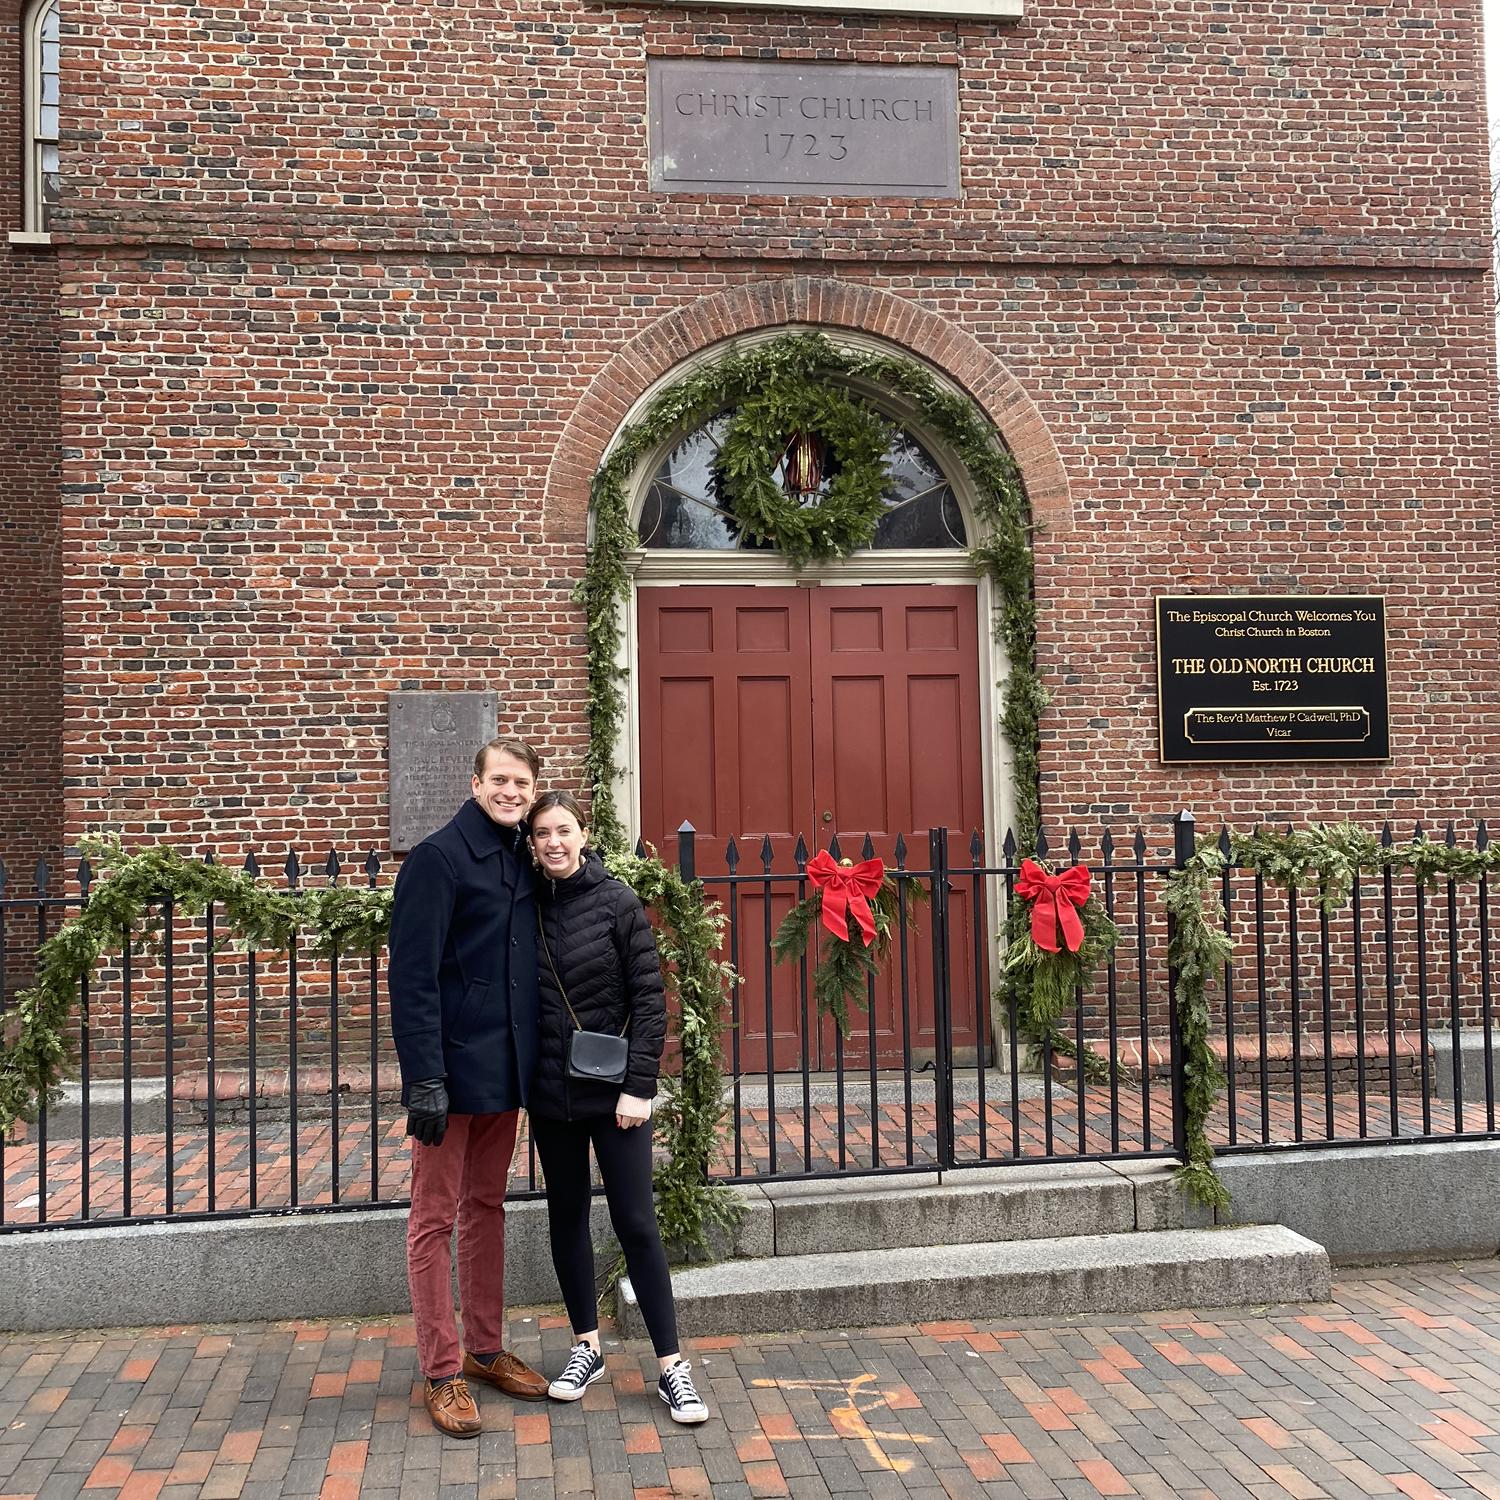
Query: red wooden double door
779,711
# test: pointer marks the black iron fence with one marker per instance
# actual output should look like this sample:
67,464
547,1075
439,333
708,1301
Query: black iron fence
213,1081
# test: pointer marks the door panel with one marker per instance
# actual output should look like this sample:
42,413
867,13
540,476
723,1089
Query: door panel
859,786
750,739
937,778
764,718
762,709
687,760
896,750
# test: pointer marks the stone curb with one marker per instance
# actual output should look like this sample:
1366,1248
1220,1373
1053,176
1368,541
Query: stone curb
1375,1203
1362,1204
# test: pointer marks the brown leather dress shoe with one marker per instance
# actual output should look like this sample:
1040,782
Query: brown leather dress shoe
452,1408
509,1374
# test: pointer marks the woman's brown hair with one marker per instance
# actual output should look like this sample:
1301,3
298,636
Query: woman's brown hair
565,800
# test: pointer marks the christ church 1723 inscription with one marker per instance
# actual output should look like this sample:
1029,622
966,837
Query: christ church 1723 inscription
831,129
1271,679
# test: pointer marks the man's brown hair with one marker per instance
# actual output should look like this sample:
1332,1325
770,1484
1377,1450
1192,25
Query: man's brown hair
519,749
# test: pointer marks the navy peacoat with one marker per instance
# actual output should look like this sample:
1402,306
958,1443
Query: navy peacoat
463,968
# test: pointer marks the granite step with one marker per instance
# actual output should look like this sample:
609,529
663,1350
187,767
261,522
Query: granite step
977,1205
1147,1271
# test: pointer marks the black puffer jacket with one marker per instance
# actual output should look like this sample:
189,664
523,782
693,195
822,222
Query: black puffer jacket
605,956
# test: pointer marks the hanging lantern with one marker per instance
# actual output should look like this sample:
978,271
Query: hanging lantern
802,464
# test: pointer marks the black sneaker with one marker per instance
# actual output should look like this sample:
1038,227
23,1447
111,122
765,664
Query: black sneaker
585,1365
676,1388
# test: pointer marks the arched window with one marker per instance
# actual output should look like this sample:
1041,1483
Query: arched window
683,507
42,42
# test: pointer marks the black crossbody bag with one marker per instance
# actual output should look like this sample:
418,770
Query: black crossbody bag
597,1056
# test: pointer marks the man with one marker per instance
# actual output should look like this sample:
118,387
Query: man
463,987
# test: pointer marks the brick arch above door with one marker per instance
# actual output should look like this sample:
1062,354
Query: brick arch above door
819,302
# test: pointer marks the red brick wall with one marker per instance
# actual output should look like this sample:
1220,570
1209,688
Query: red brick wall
1187,130
358,511
30,622
339,278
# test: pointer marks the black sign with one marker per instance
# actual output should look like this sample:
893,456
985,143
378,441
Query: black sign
1265,679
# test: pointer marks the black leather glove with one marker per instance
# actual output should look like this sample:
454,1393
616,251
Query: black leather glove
427,1111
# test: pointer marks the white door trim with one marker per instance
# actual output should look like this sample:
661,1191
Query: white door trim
660,569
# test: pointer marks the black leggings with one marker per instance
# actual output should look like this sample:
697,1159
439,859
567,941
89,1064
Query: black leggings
625,1165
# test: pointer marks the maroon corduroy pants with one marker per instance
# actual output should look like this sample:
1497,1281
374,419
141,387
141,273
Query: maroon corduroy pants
462,1182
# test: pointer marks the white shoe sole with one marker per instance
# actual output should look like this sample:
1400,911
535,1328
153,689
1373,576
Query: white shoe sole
574,1392
682,1417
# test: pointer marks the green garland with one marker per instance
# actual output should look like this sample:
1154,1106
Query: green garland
790,380
691,1121
799,363
126,899
844,966
1324,858
1327,856
1198,950
796,362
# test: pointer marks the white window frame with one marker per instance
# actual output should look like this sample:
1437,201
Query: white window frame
34,220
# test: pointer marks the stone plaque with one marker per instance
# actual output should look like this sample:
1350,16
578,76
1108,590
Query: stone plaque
801,128
1257,678
433,740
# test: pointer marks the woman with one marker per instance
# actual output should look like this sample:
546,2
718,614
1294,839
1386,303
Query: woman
599,972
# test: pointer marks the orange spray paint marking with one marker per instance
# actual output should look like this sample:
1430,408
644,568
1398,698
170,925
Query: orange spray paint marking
848,1421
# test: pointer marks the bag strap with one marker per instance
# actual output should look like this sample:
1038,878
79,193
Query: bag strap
557,979
541,932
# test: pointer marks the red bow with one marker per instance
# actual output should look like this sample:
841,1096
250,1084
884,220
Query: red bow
846,892
1056,899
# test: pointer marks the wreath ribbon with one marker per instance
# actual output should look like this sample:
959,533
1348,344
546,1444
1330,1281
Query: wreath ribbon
1055,902
846,892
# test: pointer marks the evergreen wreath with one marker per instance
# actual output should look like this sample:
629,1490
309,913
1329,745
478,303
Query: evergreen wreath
844,964
1053,978
834,524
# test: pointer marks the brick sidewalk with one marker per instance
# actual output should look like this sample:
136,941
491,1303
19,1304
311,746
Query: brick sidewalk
1394,1389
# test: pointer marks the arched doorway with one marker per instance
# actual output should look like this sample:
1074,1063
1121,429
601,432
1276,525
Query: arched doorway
849,700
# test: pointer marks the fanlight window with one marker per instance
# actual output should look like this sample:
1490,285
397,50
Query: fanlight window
684,505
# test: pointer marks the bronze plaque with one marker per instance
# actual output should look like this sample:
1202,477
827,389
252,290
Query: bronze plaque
1256,678
801,128
433,740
